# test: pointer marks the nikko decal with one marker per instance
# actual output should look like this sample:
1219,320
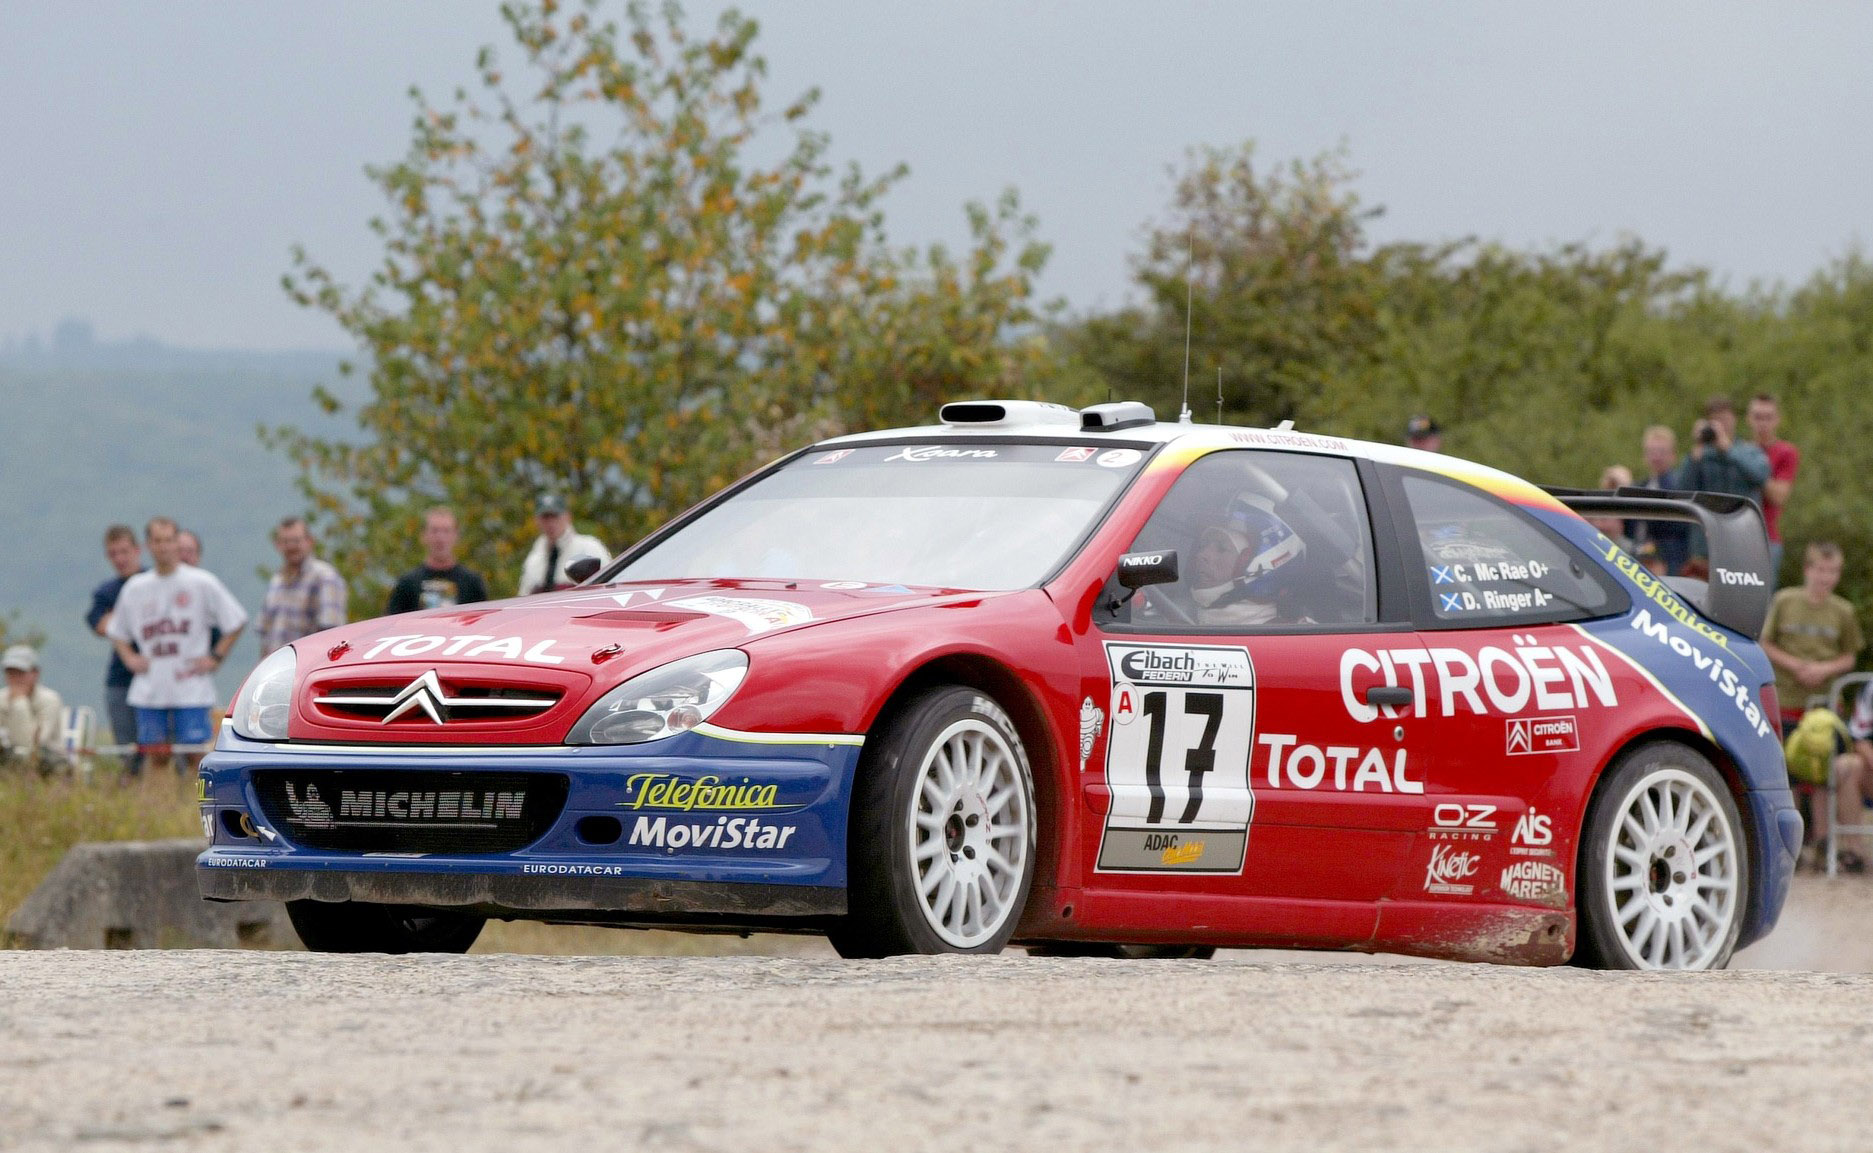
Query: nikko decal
1178,743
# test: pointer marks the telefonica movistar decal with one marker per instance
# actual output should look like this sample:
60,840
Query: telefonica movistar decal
703,794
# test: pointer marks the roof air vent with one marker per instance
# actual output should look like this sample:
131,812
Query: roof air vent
1117,415
978,413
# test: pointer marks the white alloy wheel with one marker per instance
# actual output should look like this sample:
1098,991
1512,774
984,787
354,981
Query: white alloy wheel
969,825
1673,873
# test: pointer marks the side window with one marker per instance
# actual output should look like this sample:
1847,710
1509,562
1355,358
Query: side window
1263,540
1488,565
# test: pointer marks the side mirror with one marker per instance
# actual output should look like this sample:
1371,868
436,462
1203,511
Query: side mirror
1139,569
578,571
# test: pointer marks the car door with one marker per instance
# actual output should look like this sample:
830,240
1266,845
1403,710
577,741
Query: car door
1241,760
1514,687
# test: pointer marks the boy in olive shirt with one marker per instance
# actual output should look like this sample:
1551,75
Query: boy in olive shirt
1811,635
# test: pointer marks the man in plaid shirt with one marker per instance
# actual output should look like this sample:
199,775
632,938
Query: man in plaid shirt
306,596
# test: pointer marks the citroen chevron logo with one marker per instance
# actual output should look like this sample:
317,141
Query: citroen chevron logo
425,693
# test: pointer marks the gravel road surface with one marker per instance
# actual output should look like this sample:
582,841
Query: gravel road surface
236,1050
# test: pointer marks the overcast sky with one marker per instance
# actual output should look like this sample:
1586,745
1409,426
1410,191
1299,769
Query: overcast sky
161,159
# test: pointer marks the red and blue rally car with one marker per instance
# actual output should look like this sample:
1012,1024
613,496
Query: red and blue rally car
1078,680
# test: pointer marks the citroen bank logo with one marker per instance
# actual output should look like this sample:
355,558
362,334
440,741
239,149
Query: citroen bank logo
425,693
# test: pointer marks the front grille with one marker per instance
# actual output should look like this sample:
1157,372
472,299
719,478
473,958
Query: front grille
411,811
396,704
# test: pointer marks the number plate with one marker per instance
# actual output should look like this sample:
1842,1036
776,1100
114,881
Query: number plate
1177,759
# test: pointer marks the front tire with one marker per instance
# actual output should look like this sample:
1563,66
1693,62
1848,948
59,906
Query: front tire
359,927
942,832
1664,866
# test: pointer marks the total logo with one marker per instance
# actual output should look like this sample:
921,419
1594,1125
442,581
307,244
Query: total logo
466,645
1497,680
1449,870
1734,577
1533,835
1354,769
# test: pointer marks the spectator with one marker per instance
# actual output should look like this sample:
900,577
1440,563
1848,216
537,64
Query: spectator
440,580
1811,635
120,548
31,728
1719,462
556,547
1853,778
1765,417
1671,538
169,612
306,596
1614,476
189,547
1421,432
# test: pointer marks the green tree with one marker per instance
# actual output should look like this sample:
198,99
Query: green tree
593,284
1280,286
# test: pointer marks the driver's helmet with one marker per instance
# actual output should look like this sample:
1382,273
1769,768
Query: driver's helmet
1266,548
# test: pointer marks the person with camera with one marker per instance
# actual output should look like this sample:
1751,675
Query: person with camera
1719,461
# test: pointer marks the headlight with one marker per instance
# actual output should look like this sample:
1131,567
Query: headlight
266,699
671,699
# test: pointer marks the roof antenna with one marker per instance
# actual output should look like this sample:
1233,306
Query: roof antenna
1190,263
1219,394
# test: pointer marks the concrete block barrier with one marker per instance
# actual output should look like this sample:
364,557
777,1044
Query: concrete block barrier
139,895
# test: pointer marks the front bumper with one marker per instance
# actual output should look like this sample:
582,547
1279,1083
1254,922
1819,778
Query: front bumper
664,850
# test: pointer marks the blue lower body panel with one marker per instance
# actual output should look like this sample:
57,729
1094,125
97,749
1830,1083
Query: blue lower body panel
697,828
1775,827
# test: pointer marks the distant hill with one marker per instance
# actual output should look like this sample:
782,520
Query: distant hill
93,433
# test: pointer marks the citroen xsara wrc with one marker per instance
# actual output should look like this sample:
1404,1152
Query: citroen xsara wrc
1075,680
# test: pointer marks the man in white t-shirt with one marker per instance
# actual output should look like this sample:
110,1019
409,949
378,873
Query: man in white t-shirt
169,612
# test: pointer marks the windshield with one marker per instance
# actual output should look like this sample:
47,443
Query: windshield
963,515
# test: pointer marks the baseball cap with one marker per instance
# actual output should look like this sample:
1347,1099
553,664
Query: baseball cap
1421,426
550,504
21,657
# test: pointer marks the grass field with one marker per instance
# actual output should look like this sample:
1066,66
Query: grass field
40,819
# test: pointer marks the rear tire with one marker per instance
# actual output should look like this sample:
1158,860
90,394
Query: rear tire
359,927
942,832
1664,865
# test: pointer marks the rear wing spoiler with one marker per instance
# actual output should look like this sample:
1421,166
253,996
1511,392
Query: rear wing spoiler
1741,581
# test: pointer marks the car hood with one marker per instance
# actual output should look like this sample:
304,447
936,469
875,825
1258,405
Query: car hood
570,647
